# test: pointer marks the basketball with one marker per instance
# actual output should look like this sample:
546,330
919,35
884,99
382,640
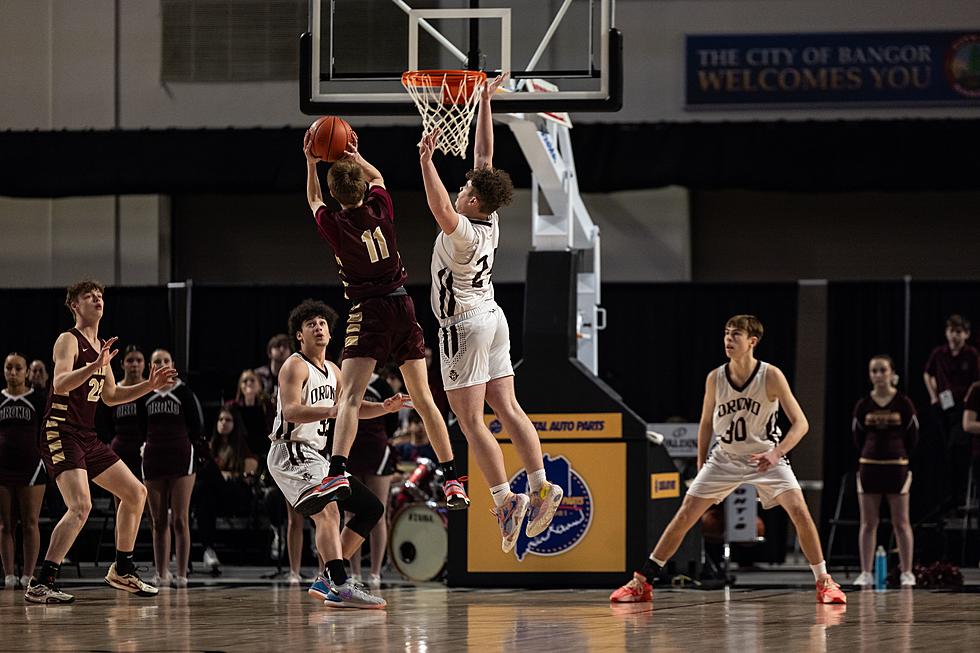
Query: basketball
331,136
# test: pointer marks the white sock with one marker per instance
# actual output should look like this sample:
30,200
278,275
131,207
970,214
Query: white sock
819,570
499,493
536,480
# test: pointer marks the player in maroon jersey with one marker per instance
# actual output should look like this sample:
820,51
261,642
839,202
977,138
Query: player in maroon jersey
22,477
73,453
381,323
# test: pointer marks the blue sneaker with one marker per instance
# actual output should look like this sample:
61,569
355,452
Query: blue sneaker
353,595
320,589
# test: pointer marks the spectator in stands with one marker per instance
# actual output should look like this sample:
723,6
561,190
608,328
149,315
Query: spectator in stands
37,375
278,350
372,461
225,482
885,430
257,410
411,442
949,372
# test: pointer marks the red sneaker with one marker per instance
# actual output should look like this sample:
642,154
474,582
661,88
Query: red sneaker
829,592
635,591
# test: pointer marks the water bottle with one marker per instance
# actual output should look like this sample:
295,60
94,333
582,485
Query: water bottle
881,568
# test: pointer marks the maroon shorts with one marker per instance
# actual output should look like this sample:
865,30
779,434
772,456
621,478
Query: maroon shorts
884,479
370,455
167,459
64,448
385,329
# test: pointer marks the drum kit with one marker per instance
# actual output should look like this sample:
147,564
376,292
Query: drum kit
418,537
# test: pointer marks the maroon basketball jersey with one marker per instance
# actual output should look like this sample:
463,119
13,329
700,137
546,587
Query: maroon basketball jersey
77,409
365,246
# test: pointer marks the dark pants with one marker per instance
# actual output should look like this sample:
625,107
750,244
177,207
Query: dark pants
958,445
216,496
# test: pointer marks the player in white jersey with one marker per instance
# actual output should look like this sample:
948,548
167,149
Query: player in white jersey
307,401
741,403
474,339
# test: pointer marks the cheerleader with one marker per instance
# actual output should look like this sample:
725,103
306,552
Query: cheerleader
22,474
173,429
127,435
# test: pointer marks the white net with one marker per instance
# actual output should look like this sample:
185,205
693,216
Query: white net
446,99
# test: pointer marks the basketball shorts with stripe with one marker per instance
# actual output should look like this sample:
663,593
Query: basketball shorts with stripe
723,472
297,468
476,348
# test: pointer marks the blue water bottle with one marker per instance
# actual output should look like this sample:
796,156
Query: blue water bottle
881,568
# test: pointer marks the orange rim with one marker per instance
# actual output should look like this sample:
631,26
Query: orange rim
452,78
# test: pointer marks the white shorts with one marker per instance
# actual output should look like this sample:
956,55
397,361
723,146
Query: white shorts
296,468
474,347
723,472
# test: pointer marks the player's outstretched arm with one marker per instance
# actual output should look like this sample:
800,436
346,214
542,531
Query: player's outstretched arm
483,145
777,387
313,194
292,376
435,193
372,174
706,426
113,395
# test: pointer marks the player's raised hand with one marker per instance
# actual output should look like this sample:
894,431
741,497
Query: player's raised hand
491,87
351,151
161,377
107,353
764,461
308,148
396,402
428,145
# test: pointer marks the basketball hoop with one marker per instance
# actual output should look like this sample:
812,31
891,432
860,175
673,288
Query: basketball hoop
446,99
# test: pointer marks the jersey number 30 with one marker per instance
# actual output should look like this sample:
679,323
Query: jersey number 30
369,242
736,431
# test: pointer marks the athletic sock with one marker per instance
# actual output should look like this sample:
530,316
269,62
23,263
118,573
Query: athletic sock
499,493
536,480
651,568
819,569
336,572
448,470
49,573
338,465
124,562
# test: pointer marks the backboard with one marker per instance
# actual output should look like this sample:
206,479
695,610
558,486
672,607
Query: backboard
353,57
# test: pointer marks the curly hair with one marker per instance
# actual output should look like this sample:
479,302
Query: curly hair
492,186
307,310
346,182
76,290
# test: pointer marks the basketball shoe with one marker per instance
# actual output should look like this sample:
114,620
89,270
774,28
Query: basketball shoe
38,592
353,595
320,589
829,592
544,503
130,582
635,591
510,517
456,498
331,488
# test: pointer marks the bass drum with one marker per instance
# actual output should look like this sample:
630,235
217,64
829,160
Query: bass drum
419,541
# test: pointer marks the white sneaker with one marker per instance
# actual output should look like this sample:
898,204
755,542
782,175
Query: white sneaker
274,552
374,581
211,558
25,581
294,579
180,582
907,579
864,579
9,582
160,581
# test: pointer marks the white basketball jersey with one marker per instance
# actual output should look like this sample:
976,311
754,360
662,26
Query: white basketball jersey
320,389
744,417
462,263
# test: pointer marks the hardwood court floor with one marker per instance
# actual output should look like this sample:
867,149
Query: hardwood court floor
434,619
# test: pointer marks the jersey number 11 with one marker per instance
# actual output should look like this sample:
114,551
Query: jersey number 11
370,241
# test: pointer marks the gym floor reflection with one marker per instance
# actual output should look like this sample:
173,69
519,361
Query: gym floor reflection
283,618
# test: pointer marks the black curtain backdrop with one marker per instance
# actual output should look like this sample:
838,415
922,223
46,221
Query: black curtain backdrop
868,318
806,156
663,339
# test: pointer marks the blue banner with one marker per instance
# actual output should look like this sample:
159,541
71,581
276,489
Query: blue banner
859,68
